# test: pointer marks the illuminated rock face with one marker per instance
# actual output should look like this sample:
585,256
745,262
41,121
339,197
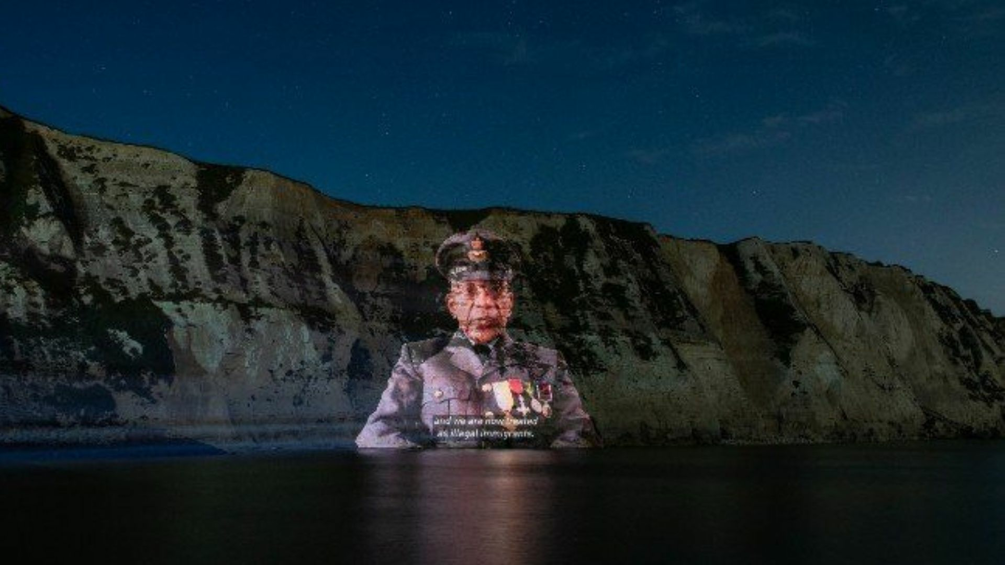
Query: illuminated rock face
143,295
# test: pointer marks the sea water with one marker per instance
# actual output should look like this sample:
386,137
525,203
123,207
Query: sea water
936,502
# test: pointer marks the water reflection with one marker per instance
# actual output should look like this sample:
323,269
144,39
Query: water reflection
820,504
449,506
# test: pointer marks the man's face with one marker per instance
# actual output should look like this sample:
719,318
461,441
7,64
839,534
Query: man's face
481,308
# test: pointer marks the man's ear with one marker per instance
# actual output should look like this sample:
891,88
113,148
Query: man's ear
449,301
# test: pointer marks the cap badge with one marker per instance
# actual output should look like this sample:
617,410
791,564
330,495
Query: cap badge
477,254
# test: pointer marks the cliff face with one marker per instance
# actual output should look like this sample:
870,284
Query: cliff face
142,295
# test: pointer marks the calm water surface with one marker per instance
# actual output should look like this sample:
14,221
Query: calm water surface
907,503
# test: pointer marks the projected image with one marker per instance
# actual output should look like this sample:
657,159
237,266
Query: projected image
479,387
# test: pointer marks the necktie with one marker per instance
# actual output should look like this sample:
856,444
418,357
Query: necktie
483,351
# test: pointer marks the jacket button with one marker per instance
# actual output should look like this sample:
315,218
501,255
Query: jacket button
438,393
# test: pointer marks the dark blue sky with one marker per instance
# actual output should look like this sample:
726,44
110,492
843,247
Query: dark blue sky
876,128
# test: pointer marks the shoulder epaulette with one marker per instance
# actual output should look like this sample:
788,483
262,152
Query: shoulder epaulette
422,350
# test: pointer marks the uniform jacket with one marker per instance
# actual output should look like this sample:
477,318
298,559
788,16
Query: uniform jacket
444,377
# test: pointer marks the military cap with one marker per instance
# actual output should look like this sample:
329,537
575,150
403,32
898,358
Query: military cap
477,254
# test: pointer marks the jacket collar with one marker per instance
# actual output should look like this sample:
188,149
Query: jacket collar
463,356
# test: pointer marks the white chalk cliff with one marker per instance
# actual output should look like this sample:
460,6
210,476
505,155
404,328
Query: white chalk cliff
143,295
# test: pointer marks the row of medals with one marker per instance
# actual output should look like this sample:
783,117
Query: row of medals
511,392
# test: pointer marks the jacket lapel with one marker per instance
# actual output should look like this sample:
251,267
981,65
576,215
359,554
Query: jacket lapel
463,357
503,350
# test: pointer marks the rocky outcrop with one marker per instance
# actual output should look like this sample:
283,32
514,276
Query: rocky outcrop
145,295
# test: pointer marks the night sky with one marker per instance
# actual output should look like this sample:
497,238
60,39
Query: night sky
876,128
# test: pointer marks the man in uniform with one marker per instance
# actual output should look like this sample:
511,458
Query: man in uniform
479,387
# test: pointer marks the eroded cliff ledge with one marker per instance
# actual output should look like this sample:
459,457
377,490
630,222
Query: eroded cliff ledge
145,295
